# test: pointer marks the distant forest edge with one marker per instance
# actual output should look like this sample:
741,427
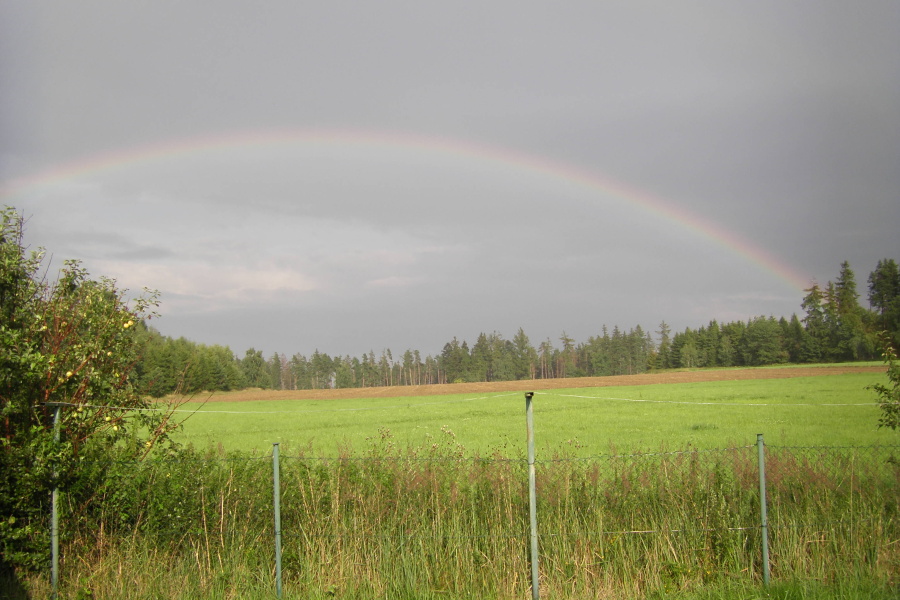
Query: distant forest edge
834,328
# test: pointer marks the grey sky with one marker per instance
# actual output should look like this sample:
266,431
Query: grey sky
350,177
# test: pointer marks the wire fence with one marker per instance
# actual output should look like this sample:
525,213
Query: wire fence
434,518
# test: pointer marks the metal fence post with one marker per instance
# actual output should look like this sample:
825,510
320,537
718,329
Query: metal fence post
764,520
54,507
276,476
532,498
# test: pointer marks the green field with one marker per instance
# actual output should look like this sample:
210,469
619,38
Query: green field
833,410
385,498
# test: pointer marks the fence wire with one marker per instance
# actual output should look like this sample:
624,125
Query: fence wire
692,511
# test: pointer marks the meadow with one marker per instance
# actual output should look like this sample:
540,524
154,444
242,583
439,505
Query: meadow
832,410
644,492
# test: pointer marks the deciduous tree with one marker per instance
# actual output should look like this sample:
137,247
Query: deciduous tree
72,344
889,395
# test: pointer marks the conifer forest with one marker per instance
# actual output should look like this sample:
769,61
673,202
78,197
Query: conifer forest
834,326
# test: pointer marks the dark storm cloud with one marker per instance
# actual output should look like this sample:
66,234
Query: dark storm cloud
769,121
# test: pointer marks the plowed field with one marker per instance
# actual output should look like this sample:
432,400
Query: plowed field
546,384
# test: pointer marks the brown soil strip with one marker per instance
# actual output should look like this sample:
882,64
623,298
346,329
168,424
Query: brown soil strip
539,384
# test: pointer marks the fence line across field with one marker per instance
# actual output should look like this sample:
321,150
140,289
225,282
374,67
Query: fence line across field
279,412
583,533
635,456
548,394
615,462
710,403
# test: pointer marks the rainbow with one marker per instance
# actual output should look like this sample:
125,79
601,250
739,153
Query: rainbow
438,146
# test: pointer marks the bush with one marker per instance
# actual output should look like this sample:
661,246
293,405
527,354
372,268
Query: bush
67,346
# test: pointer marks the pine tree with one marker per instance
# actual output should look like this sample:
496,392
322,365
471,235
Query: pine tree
884,296
851,341
663,359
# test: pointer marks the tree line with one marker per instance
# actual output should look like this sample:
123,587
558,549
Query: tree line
833,327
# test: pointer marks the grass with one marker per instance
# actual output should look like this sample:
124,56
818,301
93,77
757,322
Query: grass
426,497
825,410
421,522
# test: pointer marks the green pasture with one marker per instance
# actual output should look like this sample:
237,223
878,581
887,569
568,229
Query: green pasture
831,410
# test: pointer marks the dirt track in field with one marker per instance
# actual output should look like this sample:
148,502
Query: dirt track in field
541,384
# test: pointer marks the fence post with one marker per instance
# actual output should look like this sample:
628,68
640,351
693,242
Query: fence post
276,476
764,520
532,497
54,507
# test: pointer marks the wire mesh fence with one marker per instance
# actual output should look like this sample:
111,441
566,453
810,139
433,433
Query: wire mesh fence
834,504
432,518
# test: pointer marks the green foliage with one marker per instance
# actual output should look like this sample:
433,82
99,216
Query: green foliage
838,328
884,296
763,343
70,344
173,366
255,371
889,395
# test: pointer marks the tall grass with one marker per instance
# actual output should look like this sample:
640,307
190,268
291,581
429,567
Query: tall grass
433,521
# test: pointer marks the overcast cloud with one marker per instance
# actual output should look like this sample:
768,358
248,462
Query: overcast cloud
349,177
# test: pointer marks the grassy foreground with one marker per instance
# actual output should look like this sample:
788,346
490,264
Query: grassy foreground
644,492
427,523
